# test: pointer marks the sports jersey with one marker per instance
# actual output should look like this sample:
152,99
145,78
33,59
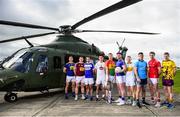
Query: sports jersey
100,67
110,64
120,63
153,68
168,69
141,66
88,70
69,69
130,70
79,69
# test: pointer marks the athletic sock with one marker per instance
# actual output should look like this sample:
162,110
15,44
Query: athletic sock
97,96
143,99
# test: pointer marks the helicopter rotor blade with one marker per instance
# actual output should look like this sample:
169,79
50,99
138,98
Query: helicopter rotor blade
25,37
112,8
110,31
10,23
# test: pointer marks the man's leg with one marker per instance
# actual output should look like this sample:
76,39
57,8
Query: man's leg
151,89
138,90
97,92
82,89
76,91
66,90
73,88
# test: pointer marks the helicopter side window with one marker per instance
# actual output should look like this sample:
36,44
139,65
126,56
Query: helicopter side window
42,66
57,62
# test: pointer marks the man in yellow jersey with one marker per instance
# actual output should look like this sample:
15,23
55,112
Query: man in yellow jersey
168,73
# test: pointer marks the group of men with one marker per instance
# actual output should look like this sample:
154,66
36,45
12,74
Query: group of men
131,79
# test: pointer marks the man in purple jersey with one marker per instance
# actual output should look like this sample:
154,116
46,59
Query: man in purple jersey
89,78
70,77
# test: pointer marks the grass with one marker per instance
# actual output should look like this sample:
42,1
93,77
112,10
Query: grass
176,87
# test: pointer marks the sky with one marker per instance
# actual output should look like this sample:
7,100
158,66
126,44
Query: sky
160,16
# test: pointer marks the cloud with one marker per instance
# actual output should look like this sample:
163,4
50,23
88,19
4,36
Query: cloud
148,15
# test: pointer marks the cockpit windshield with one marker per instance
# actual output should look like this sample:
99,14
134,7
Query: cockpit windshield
20,62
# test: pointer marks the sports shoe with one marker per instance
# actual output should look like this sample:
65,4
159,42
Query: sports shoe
170,106
117,101
134,103
83,97
91,98
66,96
158,104
76,98
129,101
165,103
97,99
145,103
122,102
73,94
139,105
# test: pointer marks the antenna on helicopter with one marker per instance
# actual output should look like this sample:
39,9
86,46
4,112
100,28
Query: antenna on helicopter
122,49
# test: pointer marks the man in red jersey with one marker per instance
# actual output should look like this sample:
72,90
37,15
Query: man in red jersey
154,70
79,73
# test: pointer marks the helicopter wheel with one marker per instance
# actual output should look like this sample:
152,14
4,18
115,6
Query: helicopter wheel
11,97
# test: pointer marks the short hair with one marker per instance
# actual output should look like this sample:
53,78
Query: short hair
152,53
166,53
128,56
140,53
110,54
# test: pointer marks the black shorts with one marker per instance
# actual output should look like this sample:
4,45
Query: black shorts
142,83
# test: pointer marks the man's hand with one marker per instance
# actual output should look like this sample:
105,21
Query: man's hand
138,79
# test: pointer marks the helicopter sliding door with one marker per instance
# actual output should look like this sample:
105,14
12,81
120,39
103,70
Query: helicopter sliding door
56,76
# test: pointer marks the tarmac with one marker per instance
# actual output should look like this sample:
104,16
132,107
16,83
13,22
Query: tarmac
53,104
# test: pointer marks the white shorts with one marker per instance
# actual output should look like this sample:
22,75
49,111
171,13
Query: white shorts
80,79
120,79
153,80
89,81
130,81
70,79
112,79
100,81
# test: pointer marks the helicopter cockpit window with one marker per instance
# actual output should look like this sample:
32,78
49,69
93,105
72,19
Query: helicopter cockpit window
20,62
42,66
57,62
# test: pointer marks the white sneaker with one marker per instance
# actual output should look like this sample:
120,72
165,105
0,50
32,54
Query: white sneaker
76,98
129,101
134,103
158,104
117,101
122,102
83,97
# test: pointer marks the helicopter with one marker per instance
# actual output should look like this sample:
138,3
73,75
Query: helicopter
40,68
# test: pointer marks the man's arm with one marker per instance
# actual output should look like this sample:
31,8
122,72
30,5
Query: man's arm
75,69
64,69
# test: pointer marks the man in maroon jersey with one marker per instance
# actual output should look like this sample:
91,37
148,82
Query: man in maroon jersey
79,73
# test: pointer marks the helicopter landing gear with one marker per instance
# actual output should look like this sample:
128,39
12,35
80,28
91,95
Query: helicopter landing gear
10,97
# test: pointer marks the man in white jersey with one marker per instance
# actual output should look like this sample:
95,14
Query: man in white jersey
100,69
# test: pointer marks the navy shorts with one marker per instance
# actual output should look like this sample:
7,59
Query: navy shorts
142,83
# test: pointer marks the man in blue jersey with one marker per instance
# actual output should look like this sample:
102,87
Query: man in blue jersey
89,78
120,78
70,77
140,70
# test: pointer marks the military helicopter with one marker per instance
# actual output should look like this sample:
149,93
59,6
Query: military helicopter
39,68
